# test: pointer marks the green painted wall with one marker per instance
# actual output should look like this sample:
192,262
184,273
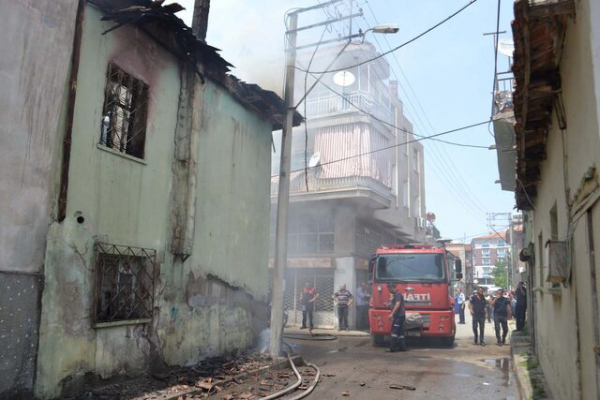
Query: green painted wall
207,305
232,233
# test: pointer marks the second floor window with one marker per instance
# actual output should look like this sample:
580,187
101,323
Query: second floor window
416,161
124,114
486,261
309,234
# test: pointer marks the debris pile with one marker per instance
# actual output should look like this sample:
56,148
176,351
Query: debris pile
245,376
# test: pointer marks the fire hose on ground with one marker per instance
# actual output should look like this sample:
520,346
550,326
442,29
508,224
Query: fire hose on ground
293,387
313,336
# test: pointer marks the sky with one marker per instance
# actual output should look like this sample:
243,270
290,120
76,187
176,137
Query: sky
445,78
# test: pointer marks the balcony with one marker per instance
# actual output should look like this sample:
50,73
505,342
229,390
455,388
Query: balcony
329,106
358,189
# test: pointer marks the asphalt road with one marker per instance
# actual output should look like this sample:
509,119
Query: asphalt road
467,371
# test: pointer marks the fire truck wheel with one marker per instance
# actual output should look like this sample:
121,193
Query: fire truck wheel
378,340
448,341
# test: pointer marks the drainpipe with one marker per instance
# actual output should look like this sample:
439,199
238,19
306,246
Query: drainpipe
66,153
187,134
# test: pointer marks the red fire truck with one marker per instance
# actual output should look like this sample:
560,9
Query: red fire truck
423,273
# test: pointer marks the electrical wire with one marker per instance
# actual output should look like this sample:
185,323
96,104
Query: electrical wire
496,40
312,57
396,127
393,146
397,47
441,171
445,157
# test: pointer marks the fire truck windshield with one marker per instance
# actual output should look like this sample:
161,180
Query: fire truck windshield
409,267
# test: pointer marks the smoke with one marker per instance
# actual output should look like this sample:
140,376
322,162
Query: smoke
264,339
251,36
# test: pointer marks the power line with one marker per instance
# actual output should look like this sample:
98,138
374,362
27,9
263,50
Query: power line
496,40
440,171
396,127
397,47
462,128
445,157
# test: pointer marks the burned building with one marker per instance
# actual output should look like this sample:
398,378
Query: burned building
132,219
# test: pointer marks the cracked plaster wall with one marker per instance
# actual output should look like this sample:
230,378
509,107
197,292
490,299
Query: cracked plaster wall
210,304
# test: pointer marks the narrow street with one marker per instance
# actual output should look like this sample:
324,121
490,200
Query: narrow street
466,371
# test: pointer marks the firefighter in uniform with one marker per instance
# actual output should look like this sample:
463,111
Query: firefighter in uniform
397,316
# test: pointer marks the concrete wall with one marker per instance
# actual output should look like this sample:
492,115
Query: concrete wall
206,305
122,200
398,214
34,69
569,312
219,292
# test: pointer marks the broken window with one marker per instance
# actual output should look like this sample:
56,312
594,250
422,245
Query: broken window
125,112
125,279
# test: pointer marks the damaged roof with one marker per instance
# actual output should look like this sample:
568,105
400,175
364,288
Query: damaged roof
538,31
160,23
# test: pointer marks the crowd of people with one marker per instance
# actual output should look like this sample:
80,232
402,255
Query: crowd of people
496,306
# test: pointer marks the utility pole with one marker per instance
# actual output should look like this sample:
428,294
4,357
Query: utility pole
283,196
200,18
509,264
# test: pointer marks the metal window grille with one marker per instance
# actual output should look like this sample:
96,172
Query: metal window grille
125,278
125,113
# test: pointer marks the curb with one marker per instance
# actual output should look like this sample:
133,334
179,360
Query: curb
531,383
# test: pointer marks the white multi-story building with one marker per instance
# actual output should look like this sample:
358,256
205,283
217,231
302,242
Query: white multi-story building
364,186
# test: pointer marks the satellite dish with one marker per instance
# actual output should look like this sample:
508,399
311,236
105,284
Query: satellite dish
506,47
315,159
344,78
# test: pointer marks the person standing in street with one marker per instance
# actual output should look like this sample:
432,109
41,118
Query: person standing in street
362,307
521,306
308,298
477,307
460,299
501,307
397,317
344,300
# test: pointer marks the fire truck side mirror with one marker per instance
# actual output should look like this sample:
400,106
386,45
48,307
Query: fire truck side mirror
458,267
371,267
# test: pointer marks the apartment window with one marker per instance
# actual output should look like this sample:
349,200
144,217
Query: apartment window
501,253
416,161
485,252
311,234
394,178
125,278
485,243
486,261
125,113
540,246
501,243
553,223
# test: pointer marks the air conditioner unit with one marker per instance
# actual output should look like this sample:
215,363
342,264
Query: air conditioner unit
557,258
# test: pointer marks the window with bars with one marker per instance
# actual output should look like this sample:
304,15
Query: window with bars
125,278
125,113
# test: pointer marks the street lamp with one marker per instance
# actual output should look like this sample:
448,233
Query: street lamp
385,29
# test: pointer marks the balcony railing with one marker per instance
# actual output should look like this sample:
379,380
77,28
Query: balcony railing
350,103
317,185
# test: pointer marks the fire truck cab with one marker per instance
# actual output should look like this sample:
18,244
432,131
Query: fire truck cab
423,273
